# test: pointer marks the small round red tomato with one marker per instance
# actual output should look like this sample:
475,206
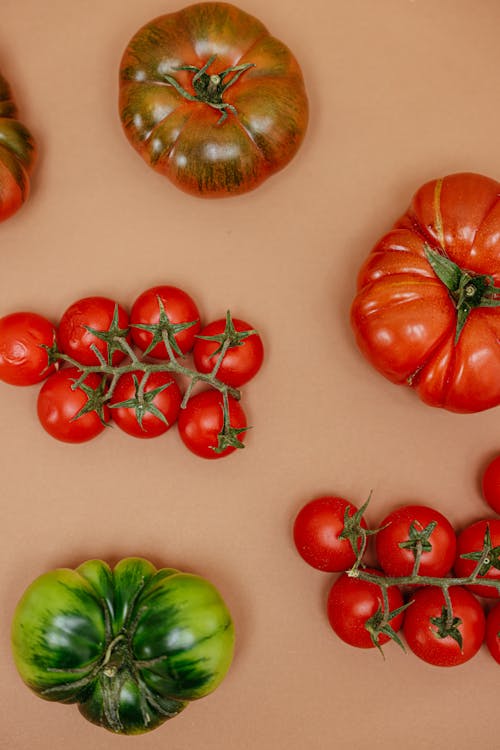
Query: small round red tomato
243,357
410,529
145,410
316,533
438,636
491,484
164,312
108,322
470,544
355,608
70,414
493,632
23,358
201,423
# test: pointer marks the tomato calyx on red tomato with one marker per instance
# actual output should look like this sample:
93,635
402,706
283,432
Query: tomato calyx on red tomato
447,624
467,290
164,331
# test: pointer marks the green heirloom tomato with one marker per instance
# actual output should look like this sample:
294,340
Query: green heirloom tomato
131,645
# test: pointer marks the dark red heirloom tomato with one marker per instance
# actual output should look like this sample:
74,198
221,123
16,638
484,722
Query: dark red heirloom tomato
493,632
354,607
164,311
416,530
145,410
316,532
23,358
211,100
439,637
109,324
491,484
201,421
470,545
17,155
241,361
426,311
72,415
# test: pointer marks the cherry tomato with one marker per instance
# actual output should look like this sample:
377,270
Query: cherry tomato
23,359
164,311
242,359
493,632
101,314
316,533
470,543
491,484
440,638
201,422
59,405
148,411
408,529
354,605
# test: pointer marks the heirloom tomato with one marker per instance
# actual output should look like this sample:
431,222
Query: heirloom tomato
132,645
145,408
242,358
202,421
164,312
211,100
426,311
480,541
318,530
25,339
96,322
71,414
17,155
491,484
411,532
439,636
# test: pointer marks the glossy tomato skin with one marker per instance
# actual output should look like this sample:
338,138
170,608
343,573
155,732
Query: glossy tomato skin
58,405
493,632
130,645
204,150
240,363
490,484
399,561
179,308
421,634
201,421
17,155
166,401
403,317
471,541
316,533
23,359
352,601
95,312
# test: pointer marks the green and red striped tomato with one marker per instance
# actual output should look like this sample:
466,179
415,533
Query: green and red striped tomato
17,155
132,645
210,99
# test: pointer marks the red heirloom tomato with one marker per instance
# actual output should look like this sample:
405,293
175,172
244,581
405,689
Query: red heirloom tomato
164,310
23,358
470,544
72,415
203,419
108,322
17,155
316,533
149,410
440,638
426,311
243,357
211,100
491,484
493,632
409,529
355,606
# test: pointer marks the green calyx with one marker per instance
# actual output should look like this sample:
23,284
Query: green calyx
446,626
467,290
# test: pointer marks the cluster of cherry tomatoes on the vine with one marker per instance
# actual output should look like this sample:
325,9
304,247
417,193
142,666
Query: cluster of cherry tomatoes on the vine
102,365
429,582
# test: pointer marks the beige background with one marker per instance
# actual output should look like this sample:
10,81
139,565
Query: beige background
401,91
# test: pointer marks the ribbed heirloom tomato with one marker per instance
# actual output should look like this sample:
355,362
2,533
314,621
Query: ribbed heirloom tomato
211,100
426,311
